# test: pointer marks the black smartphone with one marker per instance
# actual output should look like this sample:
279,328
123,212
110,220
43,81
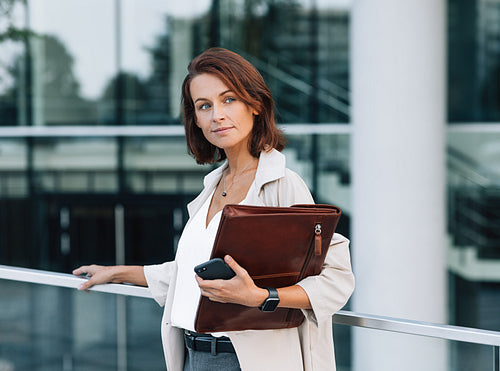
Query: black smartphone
214,269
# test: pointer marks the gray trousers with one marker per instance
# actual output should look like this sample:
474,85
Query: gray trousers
205,361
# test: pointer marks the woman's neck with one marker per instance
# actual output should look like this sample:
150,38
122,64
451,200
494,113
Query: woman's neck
238,164
238,158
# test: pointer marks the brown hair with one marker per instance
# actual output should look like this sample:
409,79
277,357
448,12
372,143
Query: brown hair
245,81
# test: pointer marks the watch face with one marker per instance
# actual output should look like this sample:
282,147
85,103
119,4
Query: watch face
270,304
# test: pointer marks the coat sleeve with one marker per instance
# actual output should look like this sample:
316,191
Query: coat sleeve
329,291
159,277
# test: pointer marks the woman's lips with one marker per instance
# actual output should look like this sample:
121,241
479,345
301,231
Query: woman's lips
222,130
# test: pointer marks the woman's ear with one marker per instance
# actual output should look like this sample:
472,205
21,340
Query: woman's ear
256,109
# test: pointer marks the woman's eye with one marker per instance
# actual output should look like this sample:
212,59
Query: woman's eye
204,106
229,100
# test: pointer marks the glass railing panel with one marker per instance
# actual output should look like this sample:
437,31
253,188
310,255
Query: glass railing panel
381,350
46,328
342,337
468,356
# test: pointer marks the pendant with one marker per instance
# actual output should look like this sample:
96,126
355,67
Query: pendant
224,194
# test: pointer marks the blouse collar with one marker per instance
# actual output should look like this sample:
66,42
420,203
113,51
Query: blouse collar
271,167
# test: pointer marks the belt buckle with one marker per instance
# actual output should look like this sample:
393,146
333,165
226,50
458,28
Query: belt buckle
200,341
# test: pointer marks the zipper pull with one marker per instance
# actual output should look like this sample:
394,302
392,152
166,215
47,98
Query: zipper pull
317,239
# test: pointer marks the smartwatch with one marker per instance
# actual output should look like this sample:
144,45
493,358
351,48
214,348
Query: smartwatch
272,301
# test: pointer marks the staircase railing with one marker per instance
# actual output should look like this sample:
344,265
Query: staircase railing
473,204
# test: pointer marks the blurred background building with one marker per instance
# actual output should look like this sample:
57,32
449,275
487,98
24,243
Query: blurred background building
77,187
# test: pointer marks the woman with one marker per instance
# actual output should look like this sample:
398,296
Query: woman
229,115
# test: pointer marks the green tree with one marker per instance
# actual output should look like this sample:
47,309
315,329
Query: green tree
123,100
158,83
9,31
59,80
54,85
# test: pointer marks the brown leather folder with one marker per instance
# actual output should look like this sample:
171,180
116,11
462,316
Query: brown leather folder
278,246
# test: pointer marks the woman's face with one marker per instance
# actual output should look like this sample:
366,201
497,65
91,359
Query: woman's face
226,121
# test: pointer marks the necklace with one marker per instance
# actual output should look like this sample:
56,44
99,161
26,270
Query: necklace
224,192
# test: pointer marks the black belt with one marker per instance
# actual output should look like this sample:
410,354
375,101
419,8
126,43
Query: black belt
208,343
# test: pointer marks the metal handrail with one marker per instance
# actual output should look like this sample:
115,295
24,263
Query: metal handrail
447,332
68,280
428,329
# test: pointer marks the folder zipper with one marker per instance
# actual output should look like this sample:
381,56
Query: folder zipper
317,239
317,249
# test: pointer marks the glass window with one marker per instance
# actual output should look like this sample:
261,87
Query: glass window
131,71
473,60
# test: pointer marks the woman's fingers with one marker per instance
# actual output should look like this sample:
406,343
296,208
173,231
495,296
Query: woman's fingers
83,270
238,269
240,289
96,275
86,285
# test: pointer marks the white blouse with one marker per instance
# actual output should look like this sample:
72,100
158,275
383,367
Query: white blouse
195,247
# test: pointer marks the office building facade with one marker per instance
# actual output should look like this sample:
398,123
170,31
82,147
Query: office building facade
77,187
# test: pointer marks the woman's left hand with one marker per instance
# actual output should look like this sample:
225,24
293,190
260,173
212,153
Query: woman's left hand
238,290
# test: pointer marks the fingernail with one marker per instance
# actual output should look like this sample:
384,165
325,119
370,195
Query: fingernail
228,258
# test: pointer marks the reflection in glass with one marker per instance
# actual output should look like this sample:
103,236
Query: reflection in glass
473,60
128,67
50,328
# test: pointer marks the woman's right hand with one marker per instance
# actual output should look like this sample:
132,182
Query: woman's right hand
99,274
96,274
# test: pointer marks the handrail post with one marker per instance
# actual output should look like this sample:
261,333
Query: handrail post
496,358
121,301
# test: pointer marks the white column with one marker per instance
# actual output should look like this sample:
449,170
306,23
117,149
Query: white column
398,173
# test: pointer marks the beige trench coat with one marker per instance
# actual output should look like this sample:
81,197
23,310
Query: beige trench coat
306,348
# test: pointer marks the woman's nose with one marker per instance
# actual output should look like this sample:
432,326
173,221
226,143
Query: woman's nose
218,112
